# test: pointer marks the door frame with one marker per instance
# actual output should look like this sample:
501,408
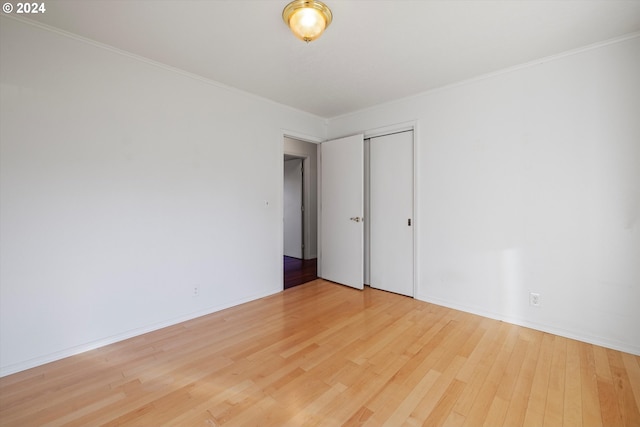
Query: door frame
285,133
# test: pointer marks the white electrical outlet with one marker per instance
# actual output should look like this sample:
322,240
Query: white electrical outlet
196,291
534,299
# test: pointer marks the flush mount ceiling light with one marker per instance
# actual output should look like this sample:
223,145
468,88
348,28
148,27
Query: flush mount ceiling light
307,18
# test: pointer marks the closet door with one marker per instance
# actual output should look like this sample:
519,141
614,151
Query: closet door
391,213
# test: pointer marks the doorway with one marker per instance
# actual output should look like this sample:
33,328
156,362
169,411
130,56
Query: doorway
300,216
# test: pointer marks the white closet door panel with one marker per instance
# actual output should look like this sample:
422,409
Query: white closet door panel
391,217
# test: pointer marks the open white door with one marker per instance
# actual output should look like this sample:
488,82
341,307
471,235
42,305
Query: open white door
293,208
341,211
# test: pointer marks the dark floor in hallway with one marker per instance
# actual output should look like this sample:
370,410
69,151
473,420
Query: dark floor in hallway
299,271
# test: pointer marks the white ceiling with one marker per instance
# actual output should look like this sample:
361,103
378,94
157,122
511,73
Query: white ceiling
373,52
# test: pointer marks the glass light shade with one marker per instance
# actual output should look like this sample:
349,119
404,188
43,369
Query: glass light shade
307,24
307,19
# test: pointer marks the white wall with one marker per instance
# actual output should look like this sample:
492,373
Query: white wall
309,151
529,180
292,204
123,186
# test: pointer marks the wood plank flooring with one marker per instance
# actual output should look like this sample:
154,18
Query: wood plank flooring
322,354
299,271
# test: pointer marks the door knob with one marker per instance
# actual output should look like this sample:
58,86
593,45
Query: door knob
356,218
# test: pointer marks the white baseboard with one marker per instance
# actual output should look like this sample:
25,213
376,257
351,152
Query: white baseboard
52,357
576,335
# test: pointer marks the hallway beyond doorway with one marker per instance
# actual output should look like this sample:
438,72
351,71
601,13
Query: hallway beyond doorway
299,271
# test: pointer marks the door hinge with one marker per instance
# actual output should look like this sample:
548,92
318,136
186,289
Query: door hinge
409,222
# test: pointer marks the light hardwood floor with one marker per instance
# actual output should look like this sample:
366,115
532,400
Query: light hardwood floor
321,354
